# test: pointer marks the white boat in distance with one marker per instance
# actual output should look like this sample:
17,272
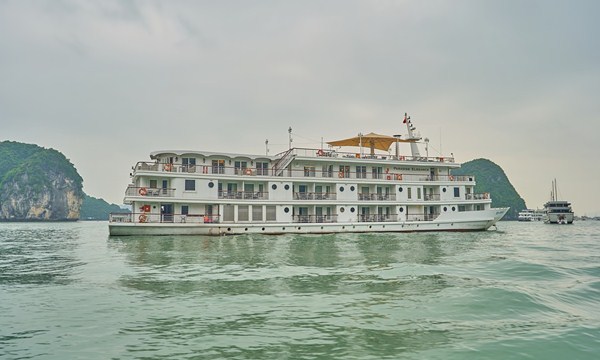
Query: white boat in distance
303,190
530,215
557,211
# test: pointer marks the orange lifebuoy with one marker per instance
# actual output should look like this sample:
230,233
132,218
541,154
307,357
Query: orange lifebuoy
168,167
451,178
398,176
143,218
143,191
341,174
146,208
248,172
402,158
389,177
319,152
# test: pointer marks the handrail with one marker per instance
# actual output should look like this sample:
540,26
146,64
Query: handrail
315,196
149,191
283,162
314,218
147,217
244,195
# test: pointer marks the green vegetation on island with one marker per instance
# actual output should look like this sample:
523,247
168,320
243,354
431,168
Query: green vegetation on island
97,209
490,178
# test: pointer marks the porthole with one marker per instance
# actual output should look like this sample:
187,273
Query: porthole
453,208
274,186
352,209
342,209
283,228
286,210
228,229
445,208
401,209
370,226
299,228
400,189
343,227
341,189
246,229
352,188
263,229
444,189
211,184
287,187
321,228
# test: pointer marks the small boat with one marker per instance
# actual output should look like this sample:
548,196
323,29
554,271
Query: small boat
557,211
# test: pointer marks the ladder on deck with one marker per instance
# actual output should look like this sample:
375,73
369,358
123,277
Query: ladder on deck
283,162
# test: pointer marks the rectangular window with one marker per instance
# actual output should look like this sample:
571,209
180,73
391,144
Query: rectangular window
456,192
327,171
218,166
188,164
419,193
344,171
240,167
185,209
377,172
190,185
309,171
243,213
271,213
409,193
257,213
153,184
361,172
262,168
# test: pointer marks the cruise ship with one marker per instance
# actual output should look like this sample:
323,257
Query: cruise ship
557,211
358,184
531,215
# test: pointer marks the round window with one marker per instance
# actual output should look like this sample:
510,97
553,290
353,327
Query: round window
453,208
445,208
286,210
400,189
352,188
211,184
342,209
341,189
274,186
444,189
287,187
352,209
401,209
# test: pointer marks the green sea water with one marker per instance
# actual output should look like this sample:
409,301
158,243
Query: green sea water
525,291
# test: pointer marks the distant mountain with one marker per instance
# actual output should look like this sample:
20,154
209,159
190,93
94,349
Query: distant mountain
97,209
37,184
491,178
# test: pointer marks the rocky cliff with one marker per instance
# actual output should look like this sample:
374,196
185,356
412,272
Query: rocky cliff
37,184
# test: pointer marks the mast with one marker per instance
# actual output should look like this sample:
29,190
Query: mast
412,135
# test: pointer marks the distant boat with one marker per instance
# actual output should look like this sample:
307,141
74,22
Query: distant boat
557,211
530,215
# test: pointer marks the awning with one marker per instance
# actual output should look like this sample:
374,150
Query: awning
371,140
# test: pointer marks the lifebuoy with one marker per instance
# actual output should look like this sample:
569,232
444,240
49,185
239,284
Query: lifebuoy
451,178
341,174
206,219
389,177
387,170
146,208
402,158
168,167
248,172
319,152
398,176
143,218
143,191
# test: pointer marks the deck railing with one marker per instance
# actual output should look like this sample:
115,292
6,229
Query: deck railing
377,217
376,197
148,191
314,218
314,196
143,217
480,196
246,195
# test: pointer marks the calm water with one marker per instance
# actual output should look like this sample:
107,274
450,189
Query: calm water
68,291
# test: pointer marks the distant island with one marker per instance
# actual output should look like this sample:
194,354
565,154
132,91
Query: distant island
39,184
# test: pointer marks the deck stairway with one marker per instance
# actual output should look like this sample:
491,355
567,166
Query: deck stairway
283,162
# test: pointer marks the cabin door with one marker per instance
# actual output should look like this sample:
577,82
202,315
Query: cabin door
166,212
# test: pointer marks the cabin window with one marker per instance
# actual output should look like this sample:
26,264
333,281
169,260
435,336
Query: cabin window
271,213
257,213
344,171
188,164
262,168
327,171
309,171
361,172
228,212
240,167
409,193
190,185
419,193
243,213
218,166
185,209
153,184
377,172
456,192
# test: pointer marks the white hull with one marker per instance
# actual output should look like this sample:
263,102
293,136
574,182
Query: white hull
559,218
455,222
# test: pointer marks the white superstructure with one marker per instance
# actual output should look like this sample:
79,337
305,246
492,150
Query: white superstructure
557,211
303,190
530,215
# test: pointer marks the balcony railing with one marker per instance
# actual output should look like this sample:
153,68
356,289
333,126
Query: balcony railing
314,196
421,217
431,197
481,196
376,197
245,195
162,218
149,192
314,218
377,218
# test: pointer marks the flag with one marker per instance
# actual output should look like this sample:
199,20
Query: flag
404,122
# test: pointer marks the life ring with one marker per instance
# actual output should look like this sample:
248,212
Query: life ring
248,172
451,178
143,191
206,219
146,208
389,177
319,152
143,218
398,176
168,167
341,174
387,170
402,158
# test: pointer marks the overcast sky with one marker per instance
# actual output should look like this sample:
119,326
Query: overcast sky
107,82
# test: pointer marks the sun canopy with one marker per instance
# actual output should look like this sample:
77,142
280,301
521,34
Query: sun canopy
370,140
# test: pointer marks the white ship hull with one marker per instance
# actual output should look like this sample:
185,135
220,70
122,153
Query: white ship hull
559,218
451,222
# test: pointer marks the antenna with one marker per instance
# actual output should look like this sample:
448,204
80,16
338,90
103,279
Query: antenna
267,147
290,137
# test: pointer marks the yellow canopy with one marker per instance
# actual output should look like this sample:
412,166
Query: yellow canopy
371,140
